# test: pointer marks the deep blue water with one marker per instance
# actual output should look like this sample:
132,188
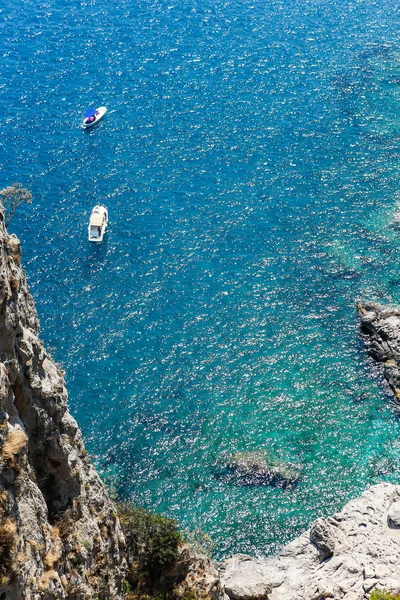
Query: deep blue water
250,164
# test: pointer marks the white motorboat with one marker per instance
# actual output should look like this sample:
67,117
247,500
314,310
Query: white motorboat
93,116
98,223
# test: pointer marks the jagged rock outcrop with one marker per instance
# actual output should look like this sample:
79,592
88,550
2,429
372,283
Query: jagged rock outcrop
381,326
60,536
196,572
342,557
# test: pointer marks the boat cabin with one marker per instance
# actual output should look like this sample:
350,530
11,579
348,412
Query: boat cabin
96,224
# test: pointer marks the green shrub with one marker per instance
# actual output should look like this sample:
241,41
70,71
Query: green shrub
126,588
152,542
129,594
383,595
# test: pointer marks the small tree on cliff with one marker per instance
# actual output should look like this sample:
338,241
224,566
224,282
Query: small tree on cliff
152,543
13,196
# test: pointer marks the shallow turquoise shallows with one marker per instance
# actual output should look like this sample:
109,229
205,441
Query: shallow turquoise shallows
249,160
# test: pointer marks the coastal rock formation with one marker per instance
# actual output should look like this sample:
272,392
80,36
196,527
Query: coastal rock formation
381,326
196,572
342,557
60,536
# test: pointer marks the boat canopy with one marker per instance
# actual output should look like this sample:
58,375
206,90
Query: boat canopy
90,112
96,219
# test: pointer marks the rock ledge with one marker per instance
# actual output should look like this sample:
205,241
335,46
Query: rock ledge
341,557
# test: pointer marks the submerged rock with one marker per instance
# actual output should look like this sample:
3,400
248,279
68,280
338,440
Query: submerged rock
255,468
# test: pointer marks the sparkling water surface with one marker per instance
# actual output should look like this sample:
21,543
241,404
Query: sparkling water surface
249,160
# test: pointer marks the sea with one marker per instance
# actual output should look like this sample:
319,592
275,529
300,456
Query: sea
249,160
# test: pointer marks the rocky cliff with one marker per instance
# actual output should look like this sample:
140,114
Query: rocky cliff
381,328
60,535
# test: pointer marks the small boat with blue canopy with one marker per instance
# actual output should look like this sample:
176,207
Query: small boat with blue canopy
92,116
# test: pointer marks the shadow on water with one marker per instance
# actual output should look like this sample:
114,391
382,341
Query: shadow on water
376,51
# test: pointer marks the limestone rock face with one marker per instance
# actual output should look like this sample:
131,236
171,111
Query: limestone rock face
381,326
341,557
247,578
60,536
196,572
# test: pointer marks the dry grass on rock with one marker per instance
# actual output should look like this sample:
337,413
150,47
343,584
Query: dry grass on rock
43,582
8,537
51,558
13,444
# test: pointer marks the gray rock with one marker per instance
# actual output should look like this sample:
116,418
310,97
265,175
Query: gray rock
394,514
354,596
381,326
249,579
369,584
393,585
369,571
322,536
382,571
251,587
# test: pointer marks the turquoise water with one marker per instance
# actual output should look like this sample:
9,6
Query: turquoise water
250,164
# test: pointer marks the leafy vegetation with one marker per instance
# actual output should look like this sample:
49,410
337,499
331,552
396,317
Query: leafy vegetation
383,595
12,197
152,545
